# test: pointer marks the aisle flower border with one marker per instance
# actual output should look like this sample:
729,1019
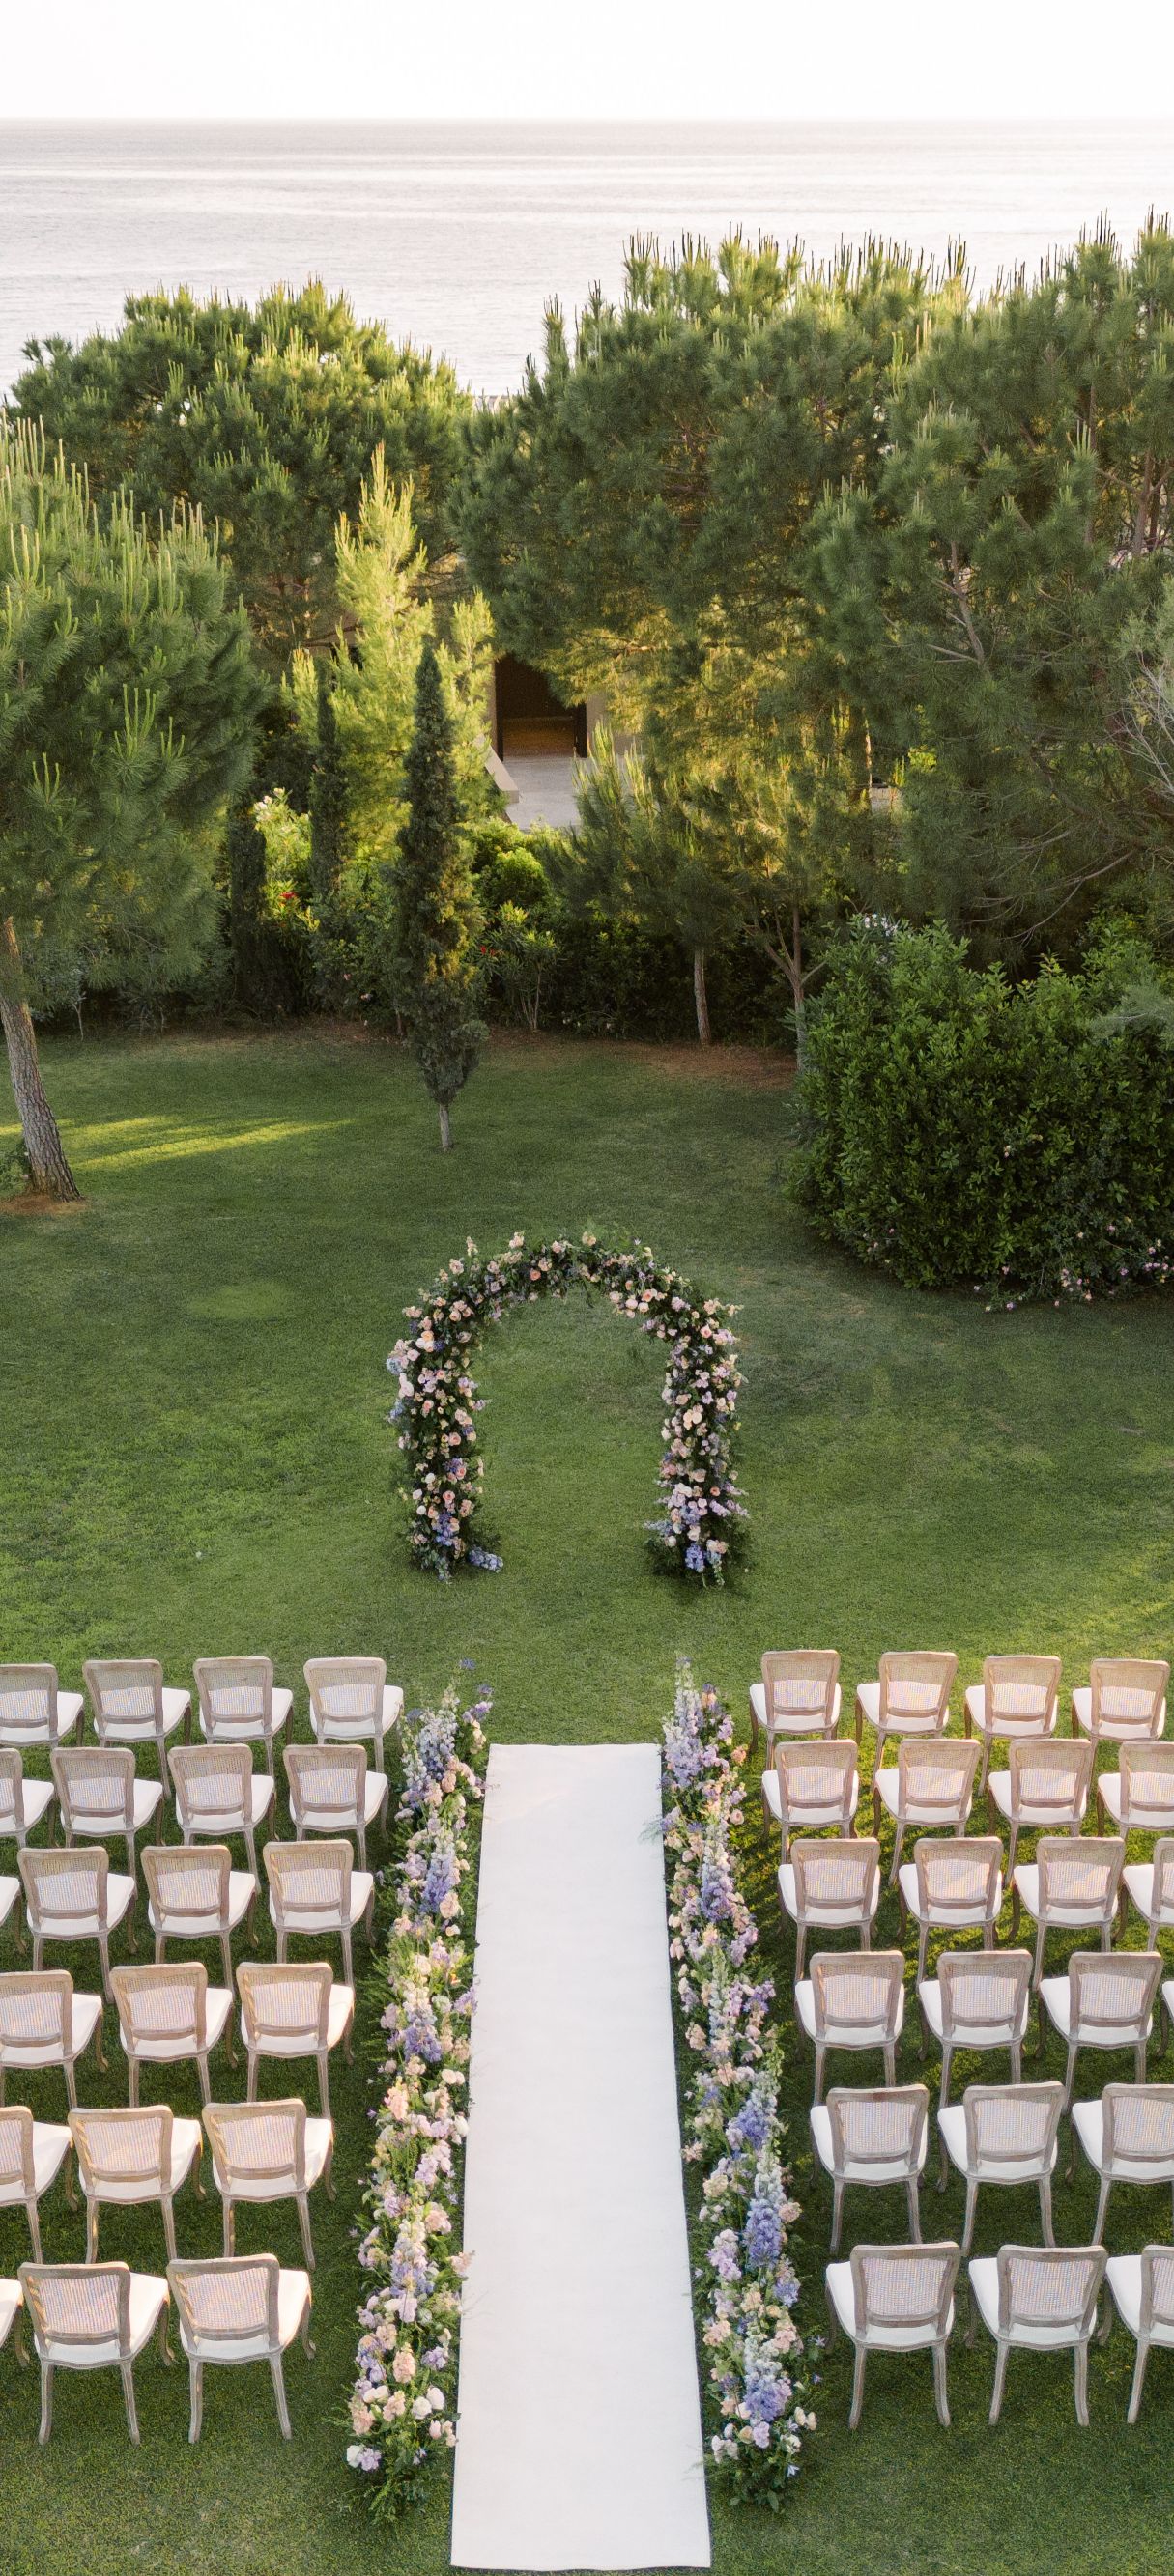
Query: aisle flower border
698,1529
402,2405
760,2376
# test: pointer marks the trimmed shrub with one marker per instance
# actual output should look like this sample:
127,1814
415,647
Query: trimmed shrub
960,1130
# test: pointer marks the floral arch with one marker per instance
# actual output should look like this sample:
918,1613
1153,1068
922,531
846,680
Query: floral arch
698,1528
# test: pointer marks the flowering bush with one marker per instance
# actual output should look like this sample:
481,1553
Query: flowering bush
699,1523
401,2407
760,2378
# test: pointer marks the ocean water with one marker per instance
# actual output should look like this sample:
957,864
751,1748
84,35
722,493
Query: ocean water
457,235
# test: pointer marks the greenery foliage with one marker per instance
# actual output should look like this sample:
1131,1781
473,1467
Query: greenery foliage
437,961
963,1130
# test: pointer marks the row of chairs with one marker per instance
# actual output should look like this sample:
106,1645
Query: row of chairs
1003,2134
331,1789
237,1698
1046,1787
1019,1695
901,2298
230,2310
72,1894
950,1886
267,2151
980,1999
169,2014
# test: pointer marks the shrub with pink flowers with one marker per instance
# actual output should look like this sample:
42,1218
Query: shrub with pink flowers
697,1530
759,2378
403,2398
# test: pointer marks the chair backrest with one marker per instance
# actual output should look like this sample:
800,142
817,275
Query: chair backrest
346,1691
1024,1688
212,1780
1113,1991
227,2298
1050,1771
800,1688
1079,1874
120,2146
831,1876
1138,2124
1128,1692
95,1783
954,1877
12,1806
1012,2124
938,1772
903,2285
188,1879
127,1691
234,1689
917,1685
1157,2287
327,1779
78,2303
36,2009
816,1775
1050,2285
283,2001
16,2147
310,1878
1147,1780
167,2002
63,1886
885,2127
1162,1894
986,1990
28,1700
857,1989
259,2141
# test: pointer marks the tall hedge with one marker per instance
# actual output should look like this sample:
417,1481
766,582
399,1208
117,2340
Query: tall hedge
960,1130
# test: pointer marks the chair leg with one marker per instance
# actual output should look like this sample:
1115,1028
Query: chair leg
327,2172
34,2219
205,2086
99,2052
251,2088
307,2238
898,1839
968,2221
251,1848
91,2231
196,2386
226,1956
347,1957
914,2209
132,2083
800,1946
104,1949
279,2393
1098,2236
323,2085
819,2058
70,2083
46,2401
857,2388
939,2383
1069,2073
1045,2210
1080,2374
126,2369
198,2171
947,2055
1000,2383
889,2053
361,1839
169,2227
837,2216
229,2228
1143,2354
943,2163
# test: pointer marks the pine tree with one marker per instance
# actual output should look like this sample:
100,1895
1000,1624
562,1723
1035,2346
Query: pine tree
328,800
435,907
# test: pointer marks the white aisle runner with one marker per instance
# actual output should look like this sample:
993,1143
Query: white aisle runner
579,2438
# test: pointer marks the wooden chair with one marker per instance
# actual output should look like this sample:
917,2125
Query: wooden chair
1128,2136
1018,1695
895,2298
131,1704
853,2000
978,1999
266,2151
952,1886
239,1703
877,2139
92,2316
219,1796
931,1786
831,1887
1038,2299
74,1895
1149,1884
32,2153
332,1791
1006,2134
1138,1797
132,2157
1069,1887
1103,2003
43,2023
352,1701
169,2013
799,1694
23,1803
197,1895
810,1787
292,2011
243,2308
315,1890
1125,1702
33,1710
1142,2287
1045,1788
911,1696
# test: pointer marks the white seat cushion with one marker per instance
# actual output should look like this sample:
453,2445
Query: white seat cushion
334,1820
894,2169
797,1722
11,2299
38,1798
51,2145
984,2035
829,1812
319,2142
137,1730
964,1916
868,1703
1008,2169
10,1893
340,2013
293,2299
863,2035
120,1896
1088,2120
984,2281
1115,1730
312,1920
356,1730
1072,1918
1124,2278
242,1887
69,1708
1032,1812
148,1798
186,2137
1139,1879
1056,1995
829,1918
148,2298
165,2050
219,1821
250,1730
879,2338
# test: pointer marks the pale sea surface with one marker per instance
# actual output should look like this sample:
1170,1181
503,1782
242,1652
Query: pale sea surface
457,235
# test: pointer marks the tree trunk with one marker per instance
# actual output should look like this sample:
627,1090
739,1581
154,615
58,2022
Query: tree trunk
445,1129
48,1170
701,997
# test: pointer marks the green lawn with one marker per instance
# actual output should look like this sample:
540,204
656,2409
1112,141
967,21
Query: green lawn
193,1458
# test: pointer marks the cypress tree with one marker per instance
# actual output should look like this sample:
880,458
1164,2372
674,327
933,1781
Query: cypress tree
328,799
436,915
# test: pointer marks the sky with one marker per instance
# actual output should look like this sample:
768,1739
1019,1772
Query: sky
645,59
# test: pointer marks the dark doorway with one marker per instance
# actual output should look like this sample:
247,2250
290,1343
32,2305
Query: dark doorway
530,717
